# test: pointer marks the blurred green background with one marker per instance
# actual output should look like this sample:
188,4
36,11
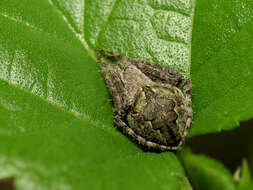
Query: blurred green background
229,147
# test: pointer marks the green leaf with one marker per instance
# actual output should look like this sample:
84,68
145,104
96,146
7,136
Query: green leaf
245,182
222,65
206,173
56,126
147,29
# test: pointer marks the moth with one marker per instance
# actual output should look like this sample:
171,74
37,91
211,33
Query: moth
152,103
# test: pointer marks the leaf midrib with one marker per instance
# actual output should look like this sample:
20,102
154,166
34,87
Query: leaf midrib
71,28
84,44
33,28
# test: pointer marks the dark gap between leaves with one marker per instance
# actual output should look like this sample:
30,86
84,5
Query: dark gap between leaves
7,184
228,147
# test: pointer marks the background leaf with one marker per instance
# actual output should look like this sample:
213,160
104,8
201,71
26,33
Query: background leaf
245,182
207,173
222,65
56,127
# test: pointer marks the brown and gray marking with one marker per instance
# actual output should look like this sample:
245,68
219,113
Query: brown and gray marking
152,103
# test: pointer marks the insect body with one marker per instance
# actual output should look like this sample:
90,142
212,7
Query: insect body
152,103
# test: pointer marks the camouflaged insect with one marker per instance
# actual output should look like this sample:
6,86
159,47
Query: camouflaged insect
152,103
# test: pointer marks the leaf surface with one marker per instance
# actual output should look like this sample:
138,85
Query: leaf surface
222,65
56,126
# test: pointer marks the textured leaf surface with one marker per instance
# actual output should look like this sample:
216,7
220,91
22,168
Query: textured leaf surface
222,65
56,127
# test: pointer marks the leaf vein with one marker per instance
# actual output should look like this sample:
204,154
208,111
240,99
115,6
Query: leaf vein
106,22
174,40
29,25
178,11
78,35
80,116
